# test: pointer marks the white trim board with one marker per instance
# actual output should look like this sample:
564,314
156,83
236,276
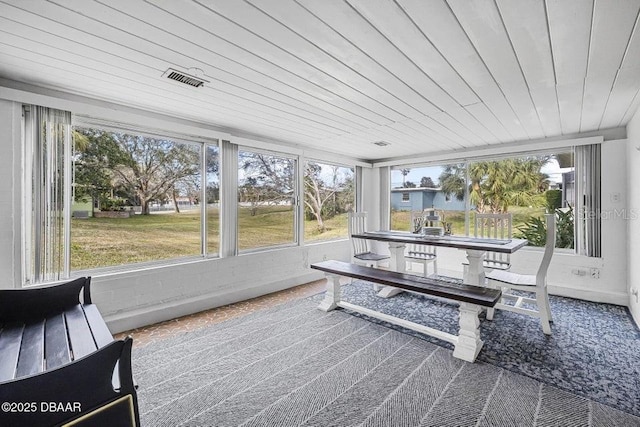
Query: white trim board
505,149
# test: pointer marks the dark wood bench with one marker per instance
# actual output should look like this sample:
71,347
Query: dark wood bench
467,343
58,361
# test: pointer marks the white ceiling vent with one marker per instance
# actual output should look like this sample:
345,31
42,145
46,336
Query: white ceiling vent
185,78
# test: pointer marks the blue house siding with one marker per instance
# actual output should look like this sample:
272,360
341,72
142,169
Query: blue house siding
420,199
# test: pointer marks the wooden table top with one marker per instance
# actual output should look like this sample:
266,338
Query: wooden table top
458,242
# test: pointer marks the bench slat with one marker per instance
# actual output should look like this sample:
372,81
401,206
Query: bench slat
31,359
465,293
56,343
101,333
10,341
82,342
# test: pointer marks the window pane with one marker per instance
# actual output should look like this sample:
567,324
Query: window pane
135,199
213,199
266,195
527,187
329,193
439,187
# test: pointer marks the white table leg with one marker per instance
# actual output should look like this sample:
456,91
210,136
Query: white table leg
469,343
475,272
397,264
332,295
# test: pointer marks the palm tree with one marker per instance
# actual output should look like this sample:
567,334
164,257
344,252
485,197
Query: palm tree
495,185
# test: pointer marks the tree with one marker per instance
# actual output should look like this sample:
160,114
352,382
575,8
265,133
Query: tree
404,173
497,184
324,198
139,167
409,184
452,180
427,182
92,151
267,180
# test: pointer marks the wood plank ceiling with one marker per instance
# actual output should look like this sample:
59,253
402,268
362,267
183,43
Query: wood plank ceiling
425,76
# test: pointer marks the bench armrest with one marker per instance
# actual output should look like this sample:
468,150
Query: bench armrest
42,301
86,383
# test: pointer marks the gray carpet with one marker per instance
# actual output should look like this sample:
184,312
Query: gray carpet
294,365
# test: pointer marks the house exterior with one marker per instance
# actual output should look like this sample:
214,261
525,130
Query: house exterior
418,199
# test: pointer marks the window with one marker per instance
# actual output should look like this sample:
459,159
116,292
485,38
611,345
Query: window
439,187
526,186
329,193
147,192
266,200
108,197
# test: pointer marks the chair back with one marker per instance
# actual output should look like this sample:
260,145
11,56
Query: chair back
494,226
428,219
549,246
358,225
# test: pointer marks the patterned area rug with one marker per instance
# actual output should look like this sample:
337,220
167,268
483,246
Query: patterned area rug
294,365
594,349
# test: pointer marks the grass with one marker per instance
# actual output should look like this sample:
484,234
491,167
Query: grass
106,242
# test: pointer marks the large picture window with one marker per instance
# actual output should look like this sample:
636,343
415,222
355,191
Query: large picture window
136,199
103,197
266,200
329,193
526,186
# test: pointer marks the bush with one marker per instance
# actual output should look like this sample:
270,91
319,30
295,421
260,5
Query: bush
553,199
111,204
535,230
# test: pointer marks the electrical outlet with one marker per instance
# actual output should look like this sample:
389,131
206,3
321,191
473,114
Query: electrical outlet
615,197
595,273
324,257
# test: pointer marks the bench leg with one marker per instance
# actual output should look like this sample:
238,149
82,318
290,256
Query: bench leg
469,342
332,295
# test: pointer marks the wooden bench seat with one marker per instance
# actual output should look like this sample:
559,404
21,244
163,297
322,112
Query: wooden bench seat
56,347
467,344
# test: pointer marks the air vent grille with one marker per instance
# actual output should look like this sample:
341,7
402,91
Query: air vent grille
184,78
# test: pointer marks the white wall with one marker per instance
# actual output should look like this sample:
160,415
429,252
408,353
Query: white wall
10,183
633,206
137,298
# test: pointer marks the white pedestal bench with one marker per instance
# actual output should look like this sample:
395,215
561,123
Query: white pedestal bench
467,343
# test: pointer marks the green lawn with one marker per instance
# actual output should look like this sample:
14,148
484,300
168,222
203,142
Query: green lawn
105,242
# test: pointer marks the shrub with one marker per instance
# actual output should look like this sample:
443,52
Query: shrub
553,199
535,230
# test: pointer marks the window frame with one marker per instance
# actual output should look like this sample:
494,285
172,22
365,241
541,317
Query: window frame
78,121
512,154
353,167
296,202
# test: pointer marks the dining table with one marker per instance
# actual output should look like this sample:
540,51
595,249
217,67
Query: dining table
475,248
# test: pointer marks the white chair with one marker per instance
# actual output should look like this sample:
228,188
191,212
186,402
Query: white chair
536,284
360,252
422,254
493,226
